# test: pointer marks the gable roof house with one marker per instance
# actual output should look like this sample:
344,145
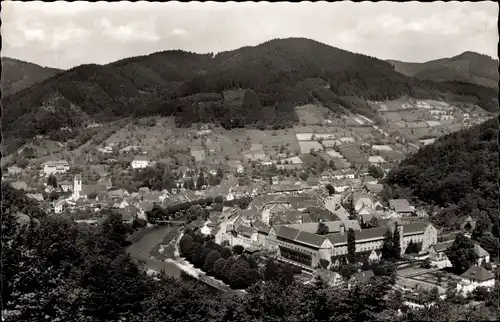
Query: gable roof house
360,278
482,255
361,200
332,279
438,256
468,225
118,194
401,206
373,188
475,277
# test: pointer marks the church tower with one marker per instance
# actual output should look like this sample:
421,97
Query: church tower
77,186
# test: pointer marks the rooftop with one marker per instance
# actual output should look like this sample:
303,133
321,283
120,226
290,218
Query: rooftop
363,277
478,273
400,205
333,226
441,247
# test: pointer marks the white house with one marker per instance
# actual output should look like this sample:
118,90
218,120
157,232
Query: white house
54,167
14,170
66,186
482,255
140,162
332,279
437,254
60,205
475,277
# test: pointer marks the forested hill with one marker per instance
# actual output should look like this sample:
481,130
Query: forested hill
458,172
467,67
18,75
265,82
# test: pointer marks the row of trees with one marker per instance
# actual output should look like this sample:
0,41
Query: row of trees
230,265
194,209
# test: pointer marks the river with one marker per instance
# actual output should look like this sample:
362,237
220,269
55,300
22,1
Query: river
141,250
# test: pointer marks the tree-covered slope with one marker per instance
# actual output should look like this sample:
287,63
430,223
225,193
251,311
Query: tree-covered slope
468,67
273,76
459,172
18,75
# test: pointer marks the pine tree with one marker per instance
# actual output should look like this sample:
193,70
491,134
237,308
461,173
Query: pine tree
387,246
322,229
396,246
52,181
201,181
351,246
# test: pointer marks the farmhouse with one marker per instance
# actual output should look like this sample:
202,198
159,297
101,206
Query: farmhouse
140,162
401,206
360,278
55,167
66,186
332,279
437,254
475,277
14,170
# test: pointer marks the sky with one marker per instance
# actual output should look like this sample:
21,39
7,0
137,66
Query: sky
63,35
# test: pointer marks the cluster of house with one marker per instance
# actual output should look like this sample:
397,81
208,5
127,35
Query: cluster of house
287,225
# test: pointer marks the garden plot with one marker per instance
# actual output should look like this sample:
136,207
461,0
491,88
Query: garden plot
423,105
304,136
433,123
376,159
331,143
347,140
341,163
381,148
334,154
427,141
198,154
307,146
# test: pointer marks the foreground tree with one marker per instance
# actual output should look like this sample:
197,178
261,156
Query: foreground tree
330,189
322,229
351,246
52,181
461,254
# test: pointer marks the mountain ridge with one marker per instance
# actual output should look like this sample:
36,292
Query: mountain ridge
277,74
468,66
18,75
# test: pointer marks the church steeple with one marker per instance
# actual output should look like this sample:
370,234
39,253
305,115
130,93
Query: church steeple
77,186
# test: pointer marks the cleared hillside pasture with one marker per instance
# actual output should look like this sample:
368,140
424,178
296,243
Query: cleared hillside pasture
312,114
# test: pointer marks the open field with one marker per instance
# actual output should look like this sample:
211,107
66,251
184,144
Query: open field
307,146
312,114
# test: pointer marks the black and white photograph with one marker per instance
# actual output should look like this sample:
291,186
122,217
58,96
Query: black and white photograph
250,161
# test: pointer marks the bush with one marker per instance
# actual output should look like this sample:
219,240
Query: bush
238,249
139,223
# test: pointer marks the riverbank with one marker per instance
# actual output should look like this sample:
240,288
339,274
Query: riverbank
148,242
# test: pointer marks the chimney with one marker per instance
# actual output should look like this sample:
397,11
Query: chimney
342,229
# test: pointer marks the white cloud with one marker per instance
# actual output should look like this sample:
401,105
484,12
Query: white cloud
34,34
135,31
70,34
179,32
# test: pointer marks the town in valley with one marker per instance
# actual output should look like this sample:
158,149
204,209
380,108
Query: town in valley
233,189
